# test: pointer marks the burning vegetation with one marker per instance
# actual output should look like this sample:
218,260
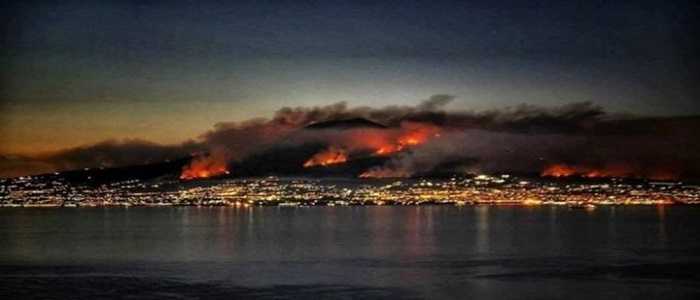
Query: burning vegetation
204,166
408,140
559,170
331,156
414,135
377,142
609,171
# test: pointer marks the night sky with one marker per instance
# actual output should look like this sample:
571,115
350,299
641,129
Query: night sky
79,72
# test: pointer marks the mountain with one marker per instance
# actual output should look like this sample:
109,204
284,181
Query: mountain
281,161
289,161
171,168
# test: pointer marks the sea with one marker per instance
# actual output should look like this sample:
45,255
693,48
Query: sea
355,252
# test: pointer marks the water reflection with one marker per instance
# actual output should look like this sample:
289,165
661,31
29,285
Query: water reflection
554,230
400,236
612,229
481,214
661,213
379,227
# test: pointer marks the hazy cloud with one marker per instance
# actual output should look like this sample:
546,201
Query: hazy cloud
520,138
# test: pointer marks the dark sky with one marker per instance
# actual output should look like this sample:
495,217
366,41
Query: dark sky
78,72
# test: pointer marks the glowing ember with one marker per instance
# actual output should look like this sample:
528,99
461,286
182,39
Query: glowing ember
204,167
328,157
410,141
388,149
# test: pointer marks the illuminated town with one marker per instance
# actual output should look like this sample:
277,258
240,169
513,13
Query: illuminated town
272,191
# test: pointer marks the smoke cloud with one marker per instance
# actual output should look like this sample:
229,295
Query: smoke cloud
424,138
475,151
106,154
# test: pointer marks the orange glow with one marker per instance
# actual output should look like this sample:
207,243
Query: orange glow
413,134
558,171
610,170
563,170
382,142
328,157
388,149
532,202
204,167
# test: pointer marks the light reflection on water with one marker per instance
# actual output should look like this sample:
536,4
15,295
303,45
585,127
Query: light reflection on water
427,250
482,229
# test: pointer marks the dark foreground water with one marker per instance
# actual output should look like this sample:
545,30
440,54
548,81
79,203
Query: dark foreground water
429,252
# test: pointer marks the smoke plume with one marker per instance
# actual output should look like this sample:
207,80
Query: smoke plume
575,139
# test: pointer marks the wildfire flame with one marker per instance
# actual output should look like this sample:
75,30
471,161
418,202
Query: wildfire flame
331,156
204,167
416,134
559,170
388,149
607,171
